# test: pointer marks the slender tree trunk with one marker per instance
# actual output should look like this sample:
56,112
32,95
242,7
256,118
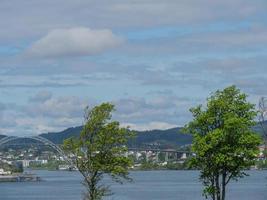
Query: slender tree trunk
218,189
223,185
213,185
92,183
92,192
92,195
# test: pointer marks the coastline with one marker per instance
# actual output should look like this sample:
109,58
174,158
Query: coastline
19,178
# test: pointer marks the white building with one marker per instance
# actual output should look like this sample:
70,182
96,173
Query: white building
3,172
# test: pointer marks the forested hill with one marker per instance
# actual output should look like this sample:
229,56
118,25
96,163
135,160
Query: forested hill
59,137
166,138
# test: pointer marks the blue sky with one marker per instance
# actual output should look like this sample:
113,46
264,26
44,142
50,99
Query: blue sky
153,59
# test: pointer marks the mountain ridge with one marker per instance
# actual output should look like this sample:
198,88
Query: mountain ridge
167,138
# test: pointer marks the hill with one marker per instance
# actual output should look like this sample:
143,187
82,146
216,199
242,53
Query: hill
167,138
164,138
59,137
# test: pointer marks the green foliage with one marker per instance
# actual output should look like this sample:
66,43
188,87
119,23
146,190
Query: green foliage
177,166
223,140
161,157
100,149
50,165
15,167
261,164
149,165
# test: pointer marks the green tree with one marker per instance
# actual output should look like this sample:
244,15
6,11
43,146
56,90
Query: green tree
223,140
100,149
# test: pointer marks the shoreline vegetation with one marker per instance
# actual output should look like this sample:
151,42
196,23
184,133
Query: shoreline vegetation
145,166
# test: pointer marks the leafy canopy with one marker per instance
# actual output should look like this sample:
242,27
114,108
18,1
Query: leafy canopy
100,150
223,140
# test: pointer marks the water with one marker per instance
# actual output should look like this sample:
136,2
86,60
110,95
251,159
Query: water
148,185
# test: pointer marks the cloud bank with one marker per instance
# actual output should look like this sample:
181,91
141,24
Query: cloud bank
154,59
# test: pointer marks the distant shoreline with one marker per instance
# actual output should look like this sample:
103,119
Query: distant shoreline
19,178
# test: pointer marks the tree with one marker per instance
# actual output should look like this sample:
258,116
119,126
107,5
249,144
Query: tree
100,149
223,140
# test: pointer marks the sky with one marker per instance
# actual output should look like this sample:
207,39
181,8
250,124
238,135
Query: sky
153,59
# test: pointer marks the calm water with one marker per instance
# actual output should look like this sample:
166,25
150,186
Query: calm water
151,185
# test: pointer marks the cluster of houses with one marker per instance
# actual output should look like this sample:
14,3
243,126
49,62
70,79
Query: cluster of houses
24,158
4,172
32,156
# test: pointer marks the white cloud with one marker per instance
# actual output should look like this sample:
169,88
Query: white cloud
58,107
149,126
78,41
